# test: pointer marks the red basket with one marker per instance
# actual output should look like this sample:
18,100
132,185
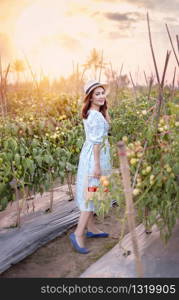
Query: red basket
92,188
95,188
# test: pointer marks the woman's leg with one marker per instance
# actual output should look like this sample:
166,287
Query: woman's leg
91,226
82,224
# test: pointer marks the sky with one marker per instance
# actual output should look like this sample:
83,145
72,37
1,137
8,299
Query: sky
56,35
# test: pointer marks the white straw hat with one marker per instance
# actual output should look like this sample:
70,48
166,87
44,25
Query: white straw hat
92,84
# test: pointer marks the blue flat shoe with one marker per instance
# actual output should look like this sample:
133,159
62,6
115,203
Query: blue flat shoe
96,235
76,246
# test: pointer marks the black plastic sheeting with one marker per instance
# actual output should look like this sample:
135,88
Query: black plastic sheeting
39,229
159,260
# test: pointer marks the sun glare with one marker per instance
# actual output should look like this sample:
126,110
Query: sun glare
49,35
36,34
36,22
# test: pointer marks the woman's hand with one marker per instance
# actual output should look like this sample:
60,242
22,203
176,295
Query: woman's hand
97,171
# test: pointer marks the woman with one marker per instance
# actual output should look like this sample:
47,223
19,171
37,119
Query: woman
94,160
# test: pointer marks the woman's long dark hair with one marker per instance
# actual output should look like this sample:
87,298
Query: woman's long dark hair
87,104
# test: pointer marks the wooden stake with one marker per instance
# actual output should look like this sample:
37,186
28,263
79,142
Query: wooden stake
165,68
69,182
172,44
51,199
177,38
173,85
18,206
134,87
124,166
152,50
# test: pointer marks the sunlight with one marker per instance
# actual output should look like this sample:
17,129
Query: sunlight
53,61
48,34
36,29
36,22
55,33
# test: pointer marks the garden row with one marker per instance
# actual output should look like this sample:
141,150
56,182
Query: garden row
36,149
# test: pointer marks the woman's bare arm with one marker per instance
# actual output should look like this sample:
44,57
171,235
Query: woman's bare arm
96,149
97,169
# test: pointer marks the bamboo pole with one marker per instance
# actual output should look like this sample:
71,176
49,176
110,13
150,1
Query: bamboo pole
69,182
172,44
134,87
152,50
120,73
51,199
146,79
119,78
124,167
18,205
165,68
173,85
160,84
149,84
177,38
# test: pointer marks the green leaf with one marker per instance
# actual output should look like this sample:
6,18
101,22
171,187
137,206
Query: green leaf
28,164
38,159
3,203
10,143
22,150
62,164
48,159
17,159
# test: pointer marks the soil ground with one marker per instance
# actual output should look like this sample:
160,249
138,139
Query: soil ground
58,259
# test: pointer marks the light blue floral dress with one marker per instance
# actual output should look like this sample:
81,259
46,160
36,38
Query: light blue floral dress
96,131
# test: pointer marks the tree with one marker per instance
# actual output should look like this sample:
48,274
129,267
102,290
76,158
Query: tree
18,67
94,62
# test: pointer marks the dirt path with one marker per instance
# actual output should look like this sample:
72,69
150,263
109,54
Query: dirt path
58,259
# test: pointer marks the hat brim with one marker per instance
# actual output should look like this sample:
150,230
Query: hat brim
101,84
